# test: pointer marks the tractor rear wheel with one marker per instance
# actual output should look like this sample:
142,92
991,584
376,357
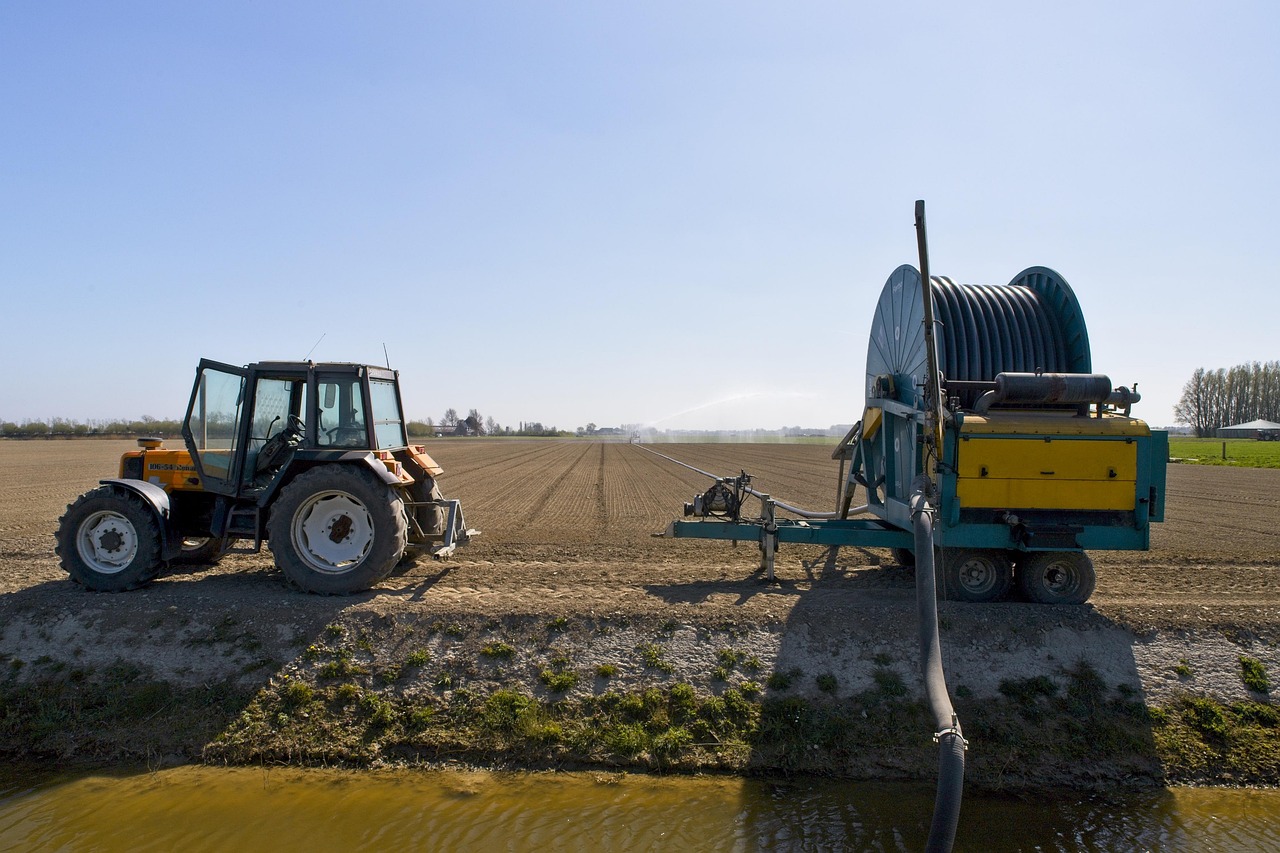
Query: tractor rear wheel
109,541
975,574
337,529
1057,577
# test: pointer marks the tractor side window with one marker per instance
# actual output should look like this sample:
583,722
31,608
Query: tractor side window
341,420
388,426
214,421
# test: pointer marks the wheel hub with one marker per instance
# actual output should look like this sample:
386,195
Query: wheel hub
340,529
977,575
1057,579
333,531
107,542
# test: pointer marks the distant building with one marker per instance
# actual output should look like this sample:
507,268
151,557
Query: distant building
1252,429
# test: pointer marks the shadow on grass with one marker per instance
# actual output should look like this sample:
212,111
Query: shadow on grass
1048,697
152,676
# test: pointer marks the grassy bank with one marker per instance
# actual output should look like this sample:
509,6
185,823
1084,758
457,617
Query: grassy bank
1035,735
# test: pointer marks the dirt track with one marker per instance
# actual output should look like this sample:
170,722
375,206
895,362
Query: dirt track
567,528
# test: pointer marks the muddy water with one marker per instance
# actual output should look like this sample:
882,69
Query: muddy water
195,809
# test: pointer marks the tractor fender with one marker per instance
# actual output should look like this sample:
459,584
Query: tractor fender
374,465
350,457
158,499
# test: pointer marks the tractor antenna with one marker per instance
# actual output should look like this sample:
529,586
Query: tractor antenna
386,357
313,346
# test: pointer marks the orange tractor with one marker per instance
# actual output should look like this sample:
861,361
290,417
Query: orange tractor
312,459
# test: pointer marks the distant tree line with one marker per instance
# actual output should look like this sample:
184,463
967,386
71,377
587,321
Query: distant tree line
1212,399
475,424
450,424
62,427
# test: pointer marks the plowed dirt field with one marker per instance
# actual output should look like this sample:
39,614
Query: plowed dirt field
568,526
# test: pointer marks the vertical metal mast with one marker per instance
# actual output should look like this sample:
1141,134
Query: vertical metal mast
932,389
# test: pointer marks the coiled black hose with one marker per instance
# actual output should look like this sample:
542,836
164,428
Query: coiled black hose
951,742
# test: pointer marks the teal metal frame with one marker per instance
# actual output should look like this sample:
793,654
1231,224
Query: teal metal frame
886,466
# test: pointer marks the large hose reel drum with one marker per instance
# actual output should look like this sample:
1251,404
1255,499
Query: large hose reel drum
1033,324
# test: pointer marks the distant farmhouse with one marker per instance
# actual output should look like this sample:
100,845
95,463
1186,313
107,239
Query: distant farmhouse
1253,429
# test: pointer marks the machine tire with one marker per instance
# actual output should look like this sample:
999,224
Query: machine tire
1057,577
430,518
198,551
975,574
337,529
904,557
109,541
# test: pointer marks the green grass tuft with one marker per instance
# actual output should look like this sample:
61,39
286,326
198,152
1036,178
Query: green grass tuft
1254,674
498,651
652,657
782,680
558,681
889,682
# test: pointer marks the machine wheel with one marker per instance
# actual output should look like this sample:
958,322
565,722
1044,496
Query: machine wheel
197,551
337,529
1057,577
109,541
430,518
904,557
970,574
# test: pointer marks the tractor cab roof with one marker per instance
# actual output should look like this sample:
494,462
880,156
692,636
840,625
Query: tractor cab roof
303,367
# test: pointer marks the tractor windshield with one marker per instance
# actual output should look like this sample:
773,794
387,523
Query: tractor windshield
388,425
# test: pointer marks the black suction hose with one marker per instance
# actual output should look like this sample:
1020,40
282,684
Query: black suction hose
951,742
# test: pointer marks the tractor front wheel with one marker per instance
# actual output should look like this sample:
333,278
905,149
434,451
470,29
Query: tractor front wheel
337,529
109,541
1057,577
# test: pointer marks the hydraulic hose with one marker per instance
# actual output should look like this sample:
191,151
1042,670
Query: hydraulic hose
951,742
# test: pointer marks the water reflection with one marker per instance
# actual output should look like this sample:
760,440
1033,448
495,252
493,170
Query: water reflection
197,809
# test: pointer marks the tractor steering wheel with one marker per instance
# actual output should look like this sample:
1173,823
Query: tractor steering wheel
342,436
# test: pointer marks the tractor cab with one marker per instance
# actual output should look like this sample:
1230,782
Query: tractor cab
245,423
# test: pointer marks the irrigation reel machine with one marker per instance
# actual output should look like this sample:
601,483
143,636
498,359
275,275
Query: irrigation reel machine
982,399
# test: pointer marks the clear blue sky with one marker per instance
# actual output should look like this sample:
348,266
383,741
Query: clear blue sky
665,212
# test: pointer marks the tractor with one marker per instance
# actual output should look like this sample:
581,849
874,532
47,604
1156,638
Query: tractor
312,459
